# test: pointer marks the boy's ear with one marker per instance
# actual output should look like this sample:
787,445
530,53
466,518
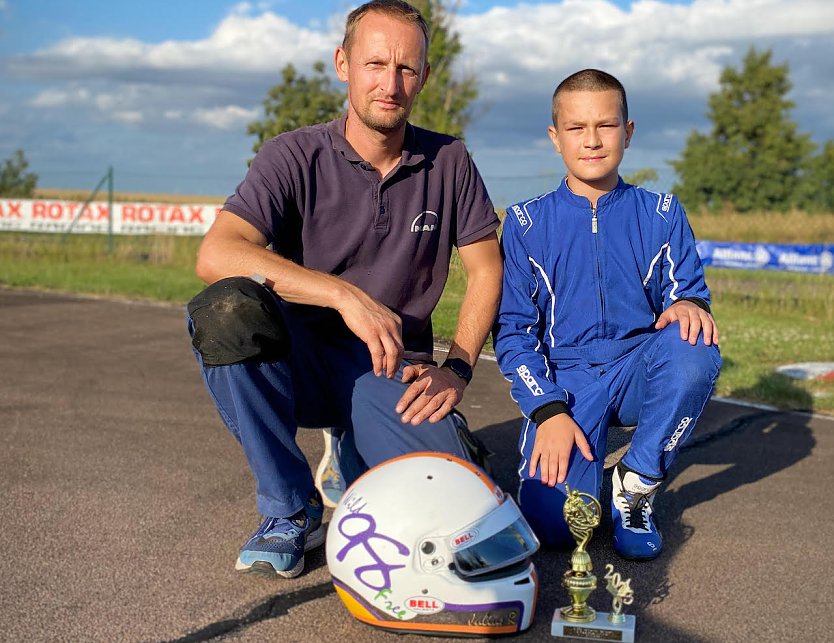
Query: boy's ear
629,132
554,138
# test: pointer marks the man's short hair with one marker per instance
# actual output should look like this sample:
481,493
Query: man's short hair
590,80
391,8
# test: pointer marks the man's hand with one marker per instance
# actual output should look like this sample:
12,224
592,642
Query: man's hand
378,327
693,321
555,438
433,393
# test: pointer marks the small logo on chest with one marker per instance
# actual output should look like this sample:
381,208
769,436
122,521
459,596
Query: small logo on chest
426,221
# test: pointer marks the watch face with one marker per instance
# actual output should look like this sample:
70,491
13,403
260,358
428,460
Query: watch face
459,367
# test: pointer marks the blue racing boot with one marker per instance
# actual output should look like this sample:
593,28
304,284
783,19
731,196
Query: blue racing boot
278,546
329,479
635,535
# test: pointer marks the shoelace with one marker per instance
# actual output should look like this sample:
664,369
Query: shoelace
636,511
296,524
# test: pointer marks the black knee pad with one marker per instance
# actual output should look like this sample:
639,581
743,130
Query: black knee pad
237,320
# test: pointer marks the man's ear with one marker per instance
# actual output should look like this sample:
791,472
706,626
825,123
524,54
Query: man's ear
629,132
340,63
554,138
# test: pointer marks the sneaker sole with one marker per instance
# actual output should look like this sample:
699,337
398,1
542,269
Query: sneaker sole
264,568
325,459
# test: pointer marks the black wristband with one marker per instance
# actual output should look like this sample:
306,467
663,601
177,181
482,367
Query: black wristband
548,411
459,367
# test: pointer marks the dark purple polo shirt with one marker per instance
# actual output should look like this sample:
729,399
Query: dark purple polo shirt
324,207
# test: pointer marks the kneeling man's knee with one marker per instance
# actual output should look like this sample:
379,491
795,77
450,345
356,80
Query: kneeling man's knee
235,320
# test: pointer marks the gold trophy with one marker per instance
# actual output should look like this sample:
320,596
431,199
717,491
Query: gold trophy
579,620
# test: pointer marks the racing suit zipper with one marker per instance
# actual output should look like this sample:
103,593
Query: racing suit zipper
594,230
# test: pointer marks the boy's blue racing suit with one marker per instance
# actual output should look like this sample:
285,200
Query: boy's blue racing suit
583,288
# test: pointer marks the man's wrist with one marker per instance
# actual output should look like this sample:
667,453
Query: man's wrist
459,367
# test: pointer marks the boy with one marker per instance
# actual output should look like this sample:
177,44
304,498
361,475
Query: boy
604,319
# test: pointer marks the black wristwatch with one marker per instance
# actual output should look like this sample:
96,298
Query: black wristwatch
459,367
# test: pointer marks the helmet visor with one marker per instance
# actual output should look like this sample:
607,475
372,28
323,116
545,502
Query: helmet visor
499,545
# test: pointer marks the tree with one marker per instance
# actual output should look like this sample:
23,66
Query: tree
816,187
443,105
642,176
15,181
754,155
297,101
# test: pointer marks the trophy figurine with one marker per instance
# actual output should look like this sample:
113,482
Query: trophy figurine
579,620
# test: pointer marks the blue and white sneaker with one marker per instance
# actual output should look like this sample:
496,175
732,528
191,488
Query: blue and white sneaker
635,535
278,546
329,479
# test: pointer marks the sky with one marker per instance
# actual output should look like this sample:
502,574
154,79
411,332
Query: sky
163,91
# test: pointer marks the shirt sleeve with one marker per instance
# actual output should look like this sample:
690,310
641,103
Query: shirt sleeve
476,216
520,328
267,193
683,273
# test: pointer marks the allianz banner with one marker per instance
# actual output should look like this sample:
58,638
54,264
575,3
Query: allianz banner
43,215
768,256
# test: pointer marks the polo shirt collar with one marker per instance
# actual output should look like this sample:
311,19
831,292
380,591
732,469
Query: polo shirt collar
412,150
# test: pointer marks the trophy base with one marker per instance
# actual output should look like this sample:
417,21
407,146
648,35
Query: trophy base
600,629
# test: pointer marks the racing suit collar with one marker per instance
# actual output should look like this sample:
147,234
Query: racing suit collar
583,203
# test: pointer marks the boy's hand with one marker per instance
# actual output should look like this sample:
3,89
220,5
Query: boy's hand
693,321
555,438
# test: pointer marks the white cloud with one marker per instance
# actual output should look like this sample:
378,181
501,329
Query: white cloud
228,117
652,44
50,98
128,117
243,42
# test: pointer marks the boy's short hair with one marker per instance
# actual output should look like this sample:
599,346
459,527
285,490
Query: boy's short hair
391,8
590,80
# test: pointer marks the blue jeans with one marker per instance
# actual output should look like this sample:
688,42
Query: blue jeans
322,381
662,386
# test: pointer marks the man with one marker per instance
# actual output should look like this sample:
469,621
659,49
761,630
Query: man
347,228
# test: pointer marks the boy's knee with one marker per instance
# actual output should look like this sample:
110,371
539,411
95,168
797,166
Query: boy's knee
690,365
235,320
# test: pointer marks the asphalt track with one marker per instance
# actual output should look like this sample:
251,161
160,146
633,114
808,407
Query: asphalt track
123,501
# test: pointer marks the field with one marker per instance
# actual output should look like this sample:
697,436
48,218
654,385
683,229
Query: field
766,318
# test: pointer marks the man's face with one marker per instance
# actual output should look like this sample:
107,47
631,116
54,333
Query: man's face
384,70
591,137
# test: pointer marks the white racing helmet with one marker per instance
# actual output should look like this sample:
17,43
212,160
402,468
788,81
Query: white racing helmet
427,543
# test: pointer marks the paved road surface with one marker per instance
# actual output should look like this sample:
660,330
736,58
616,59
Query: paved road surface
123,501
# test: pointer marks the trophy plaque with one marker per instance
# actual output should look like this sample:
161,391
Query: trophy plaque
579,620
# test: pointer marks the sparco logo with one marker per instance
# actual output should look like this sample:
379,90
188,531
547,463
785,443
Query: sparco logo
426,221
673,441
667,201
523,218
529,380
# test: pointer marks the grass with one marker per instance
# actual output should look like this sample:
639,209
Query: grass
764,227
157,268
766,318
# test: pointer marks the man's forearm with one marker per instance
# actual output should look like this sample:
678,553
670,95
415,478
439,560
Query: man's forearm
480,302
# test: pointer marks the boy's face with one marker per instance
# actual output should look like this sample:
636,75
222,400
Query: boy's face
591,137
